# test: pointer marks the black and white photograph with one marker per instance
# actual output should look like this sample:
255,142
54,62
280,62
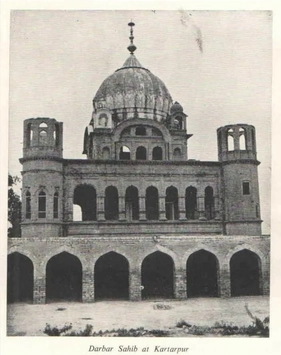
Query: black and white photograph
139,175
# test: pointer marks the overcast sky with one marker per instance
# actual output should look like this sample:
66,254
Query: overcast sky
217,64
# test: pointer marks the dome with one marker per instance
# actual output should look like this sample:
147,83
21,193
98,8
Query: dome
176,108
134,92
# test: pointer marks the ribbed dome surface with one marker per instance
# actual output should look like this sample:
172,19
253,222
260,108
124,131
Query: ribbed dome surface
133,91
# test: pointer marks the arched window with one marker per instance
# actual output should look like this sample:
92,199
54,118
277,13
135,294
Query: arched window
124,153
152,203
171,202
29,135
43,125
230,139
178,122
242,139
132,203
85,196
157,153
140,131
56,135
43,137
111,203
253,139
42,204
141,153
177,154
191,202
27,205
209,203
56,205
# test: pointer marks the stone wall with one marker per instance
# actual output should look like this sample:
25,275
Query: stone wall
135,249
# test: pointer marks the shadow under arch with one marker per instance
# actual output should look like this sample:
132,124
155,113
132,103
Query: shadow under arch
245,274
202,274
157,276
19,278
111,277
64,278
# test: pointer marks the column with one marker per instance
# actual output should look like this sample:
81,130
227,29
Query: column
162,208
201,207
217,207
88,290
224,281
135,285
180,284
122,208
69,216
100,208
39,286
265,280
142,212
182,213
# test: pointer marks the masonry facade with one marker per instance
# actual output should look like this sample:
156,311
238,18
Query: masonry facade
137,219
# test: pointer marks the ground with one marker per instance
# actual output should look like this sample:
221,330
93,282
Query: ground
30,320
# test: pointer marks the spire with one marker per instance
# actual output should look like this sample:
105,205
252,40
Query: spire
131,48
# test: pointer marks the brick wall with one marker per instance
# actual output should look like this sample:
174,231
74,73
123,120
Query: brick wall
135,249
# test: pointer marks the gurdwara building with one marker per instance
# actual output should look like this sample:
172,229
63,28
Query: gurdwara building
137,219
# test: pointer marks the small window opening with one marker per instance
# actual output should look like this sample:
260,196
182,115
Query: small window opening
242,139
230,140
43,125
140,131
141,153
125,153
42,205
56,205
246,188
27,205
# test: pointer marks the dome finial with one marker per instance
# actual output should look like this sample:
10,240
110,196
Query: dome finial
131,46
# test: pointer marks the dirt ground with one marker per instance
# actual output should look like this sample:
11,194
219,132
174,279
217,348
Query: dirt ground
30,320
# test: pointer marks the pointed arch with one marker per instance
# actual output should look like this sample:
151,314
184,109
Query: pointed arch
141,153
132,203
20,277
171,203
157,276
152,203
209,203
85,196
64,278
111,203
157,153
42,204
202,274
111,275
245,274
191,202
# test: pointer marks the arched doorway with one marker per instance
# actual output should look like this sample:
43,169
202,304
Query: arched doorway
157,276
171,203
112,277
141,153
132,203
85,196
191,202
245,273
20,278
152,204
202,274
157,153
111,203
209,203
64,278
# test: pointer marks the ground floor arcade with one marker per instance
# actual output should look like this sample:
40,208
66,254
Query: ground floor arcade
93,269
